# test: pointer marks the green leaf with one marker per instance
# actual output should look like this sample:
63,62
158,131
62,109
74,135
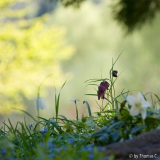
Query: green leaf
115,135
90,122
137,129
96,80
115,126
116,105
100,132
11,126
123,104
103,139
46,136
64,118
56,125
157,97
152,122
64,84
91,94
108,100
26,113
127,93
125,115
89,109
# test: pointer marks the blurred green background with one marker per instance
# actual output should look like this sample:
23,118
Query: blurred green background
46,37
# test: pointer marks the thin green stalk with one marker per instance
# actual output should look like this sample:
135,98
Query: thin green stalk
114,92
38,113
76,111
102,103
4,127
38,96
111,91
144,125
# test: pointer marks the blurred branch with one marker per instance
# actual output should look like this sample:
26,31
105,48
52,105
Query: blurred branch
74,3
133,14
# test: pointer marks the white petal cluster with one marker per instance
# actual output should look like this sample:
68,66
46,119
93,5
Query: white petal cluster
40,103
139,105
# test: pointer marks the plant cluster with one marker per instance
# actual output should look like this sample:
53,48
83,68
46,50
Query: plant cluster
84,138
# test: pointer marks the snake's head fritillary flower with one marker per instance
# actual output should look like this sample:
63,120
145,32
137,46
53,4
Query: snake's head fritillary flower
115,73
101,92
105,84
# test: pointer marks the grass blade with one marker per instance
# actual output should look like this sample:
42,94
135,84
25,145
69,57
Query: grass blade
26,113
89,109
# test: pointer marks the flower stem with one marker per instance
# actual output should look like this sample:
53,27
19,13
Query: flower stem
76,111
144,125
38,112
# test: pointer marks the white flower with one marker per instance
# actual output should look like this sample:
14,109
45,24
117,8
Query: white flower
40,103
139,105
74,100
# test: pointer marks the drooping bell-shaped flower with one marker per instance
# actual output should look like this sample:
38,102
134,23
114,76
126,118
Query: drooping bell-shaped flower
40,103
105,84
101,92
114,73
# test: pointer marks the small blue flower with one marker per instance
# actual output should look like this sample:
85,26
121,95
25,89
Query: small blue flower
50,144
9,158
52,155
44,131
52,150
74,100
3,151
101,148
58,149
70,141
64,147
89,148
90,156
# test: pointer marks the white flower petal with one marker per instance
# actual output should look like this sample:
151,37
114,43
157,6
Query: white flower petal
140,97
40,103
131,100
134,111
145,104
143,113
